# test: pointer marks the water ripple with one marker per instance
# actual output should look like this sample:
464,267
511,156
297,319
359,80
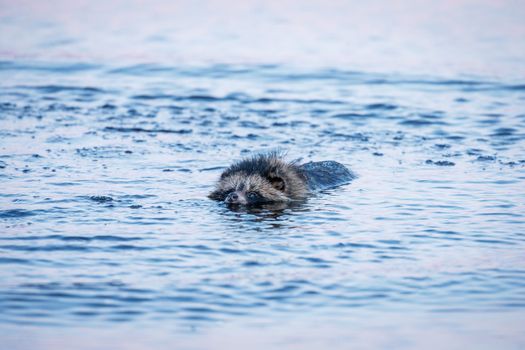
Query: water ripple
105,216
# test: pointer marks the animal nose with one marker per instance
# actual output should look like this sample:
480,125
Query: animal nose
232,198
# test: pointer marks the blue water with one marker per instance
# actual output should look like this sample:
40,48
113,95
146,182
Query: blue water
106,158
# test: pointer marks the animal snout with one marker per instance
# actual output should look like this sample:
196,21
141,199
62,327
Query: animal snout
234,198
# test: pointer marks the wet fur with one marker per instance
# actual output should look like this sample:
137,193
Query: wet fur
274,179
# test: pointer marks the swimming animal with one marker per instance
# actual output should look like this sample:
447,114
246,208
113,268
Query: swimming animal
268,178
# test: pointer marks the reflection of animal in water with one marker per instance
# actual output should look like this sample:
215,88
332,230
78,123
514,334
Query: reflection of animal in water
268,178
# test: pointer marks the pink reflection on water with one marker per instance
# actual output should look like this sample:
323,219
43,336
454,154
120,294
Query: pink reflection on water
450,37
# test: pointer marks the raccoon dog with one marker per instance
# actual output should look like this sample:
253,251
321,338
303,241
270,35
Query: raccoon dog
268,178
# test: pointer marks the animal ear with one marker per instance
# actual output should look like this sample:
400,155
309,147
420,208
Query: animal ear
277,182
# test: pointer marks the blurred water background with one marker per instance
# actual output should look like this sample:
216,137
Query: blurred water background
116,117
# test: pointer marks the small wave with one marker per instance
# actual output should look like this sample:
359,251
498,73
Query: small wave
215,70
355,245
151,131
16,213
485,158
212,168
440,162
48,248
4,260
104,238
421,122
101,199
503,132
62,68
52,89
382,106
142,69
518,87
129,247
351,116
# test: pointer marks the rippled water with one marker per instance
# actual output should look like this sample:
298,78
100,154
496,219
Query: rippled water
109,239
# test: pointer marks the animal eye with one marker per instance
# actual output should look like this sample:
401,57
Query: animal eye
252,196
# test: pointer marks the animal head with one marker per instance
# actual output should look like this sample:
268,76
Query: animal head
264,178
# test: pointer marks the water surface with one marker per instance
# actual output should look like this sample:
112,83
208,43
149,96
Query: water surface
106,159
